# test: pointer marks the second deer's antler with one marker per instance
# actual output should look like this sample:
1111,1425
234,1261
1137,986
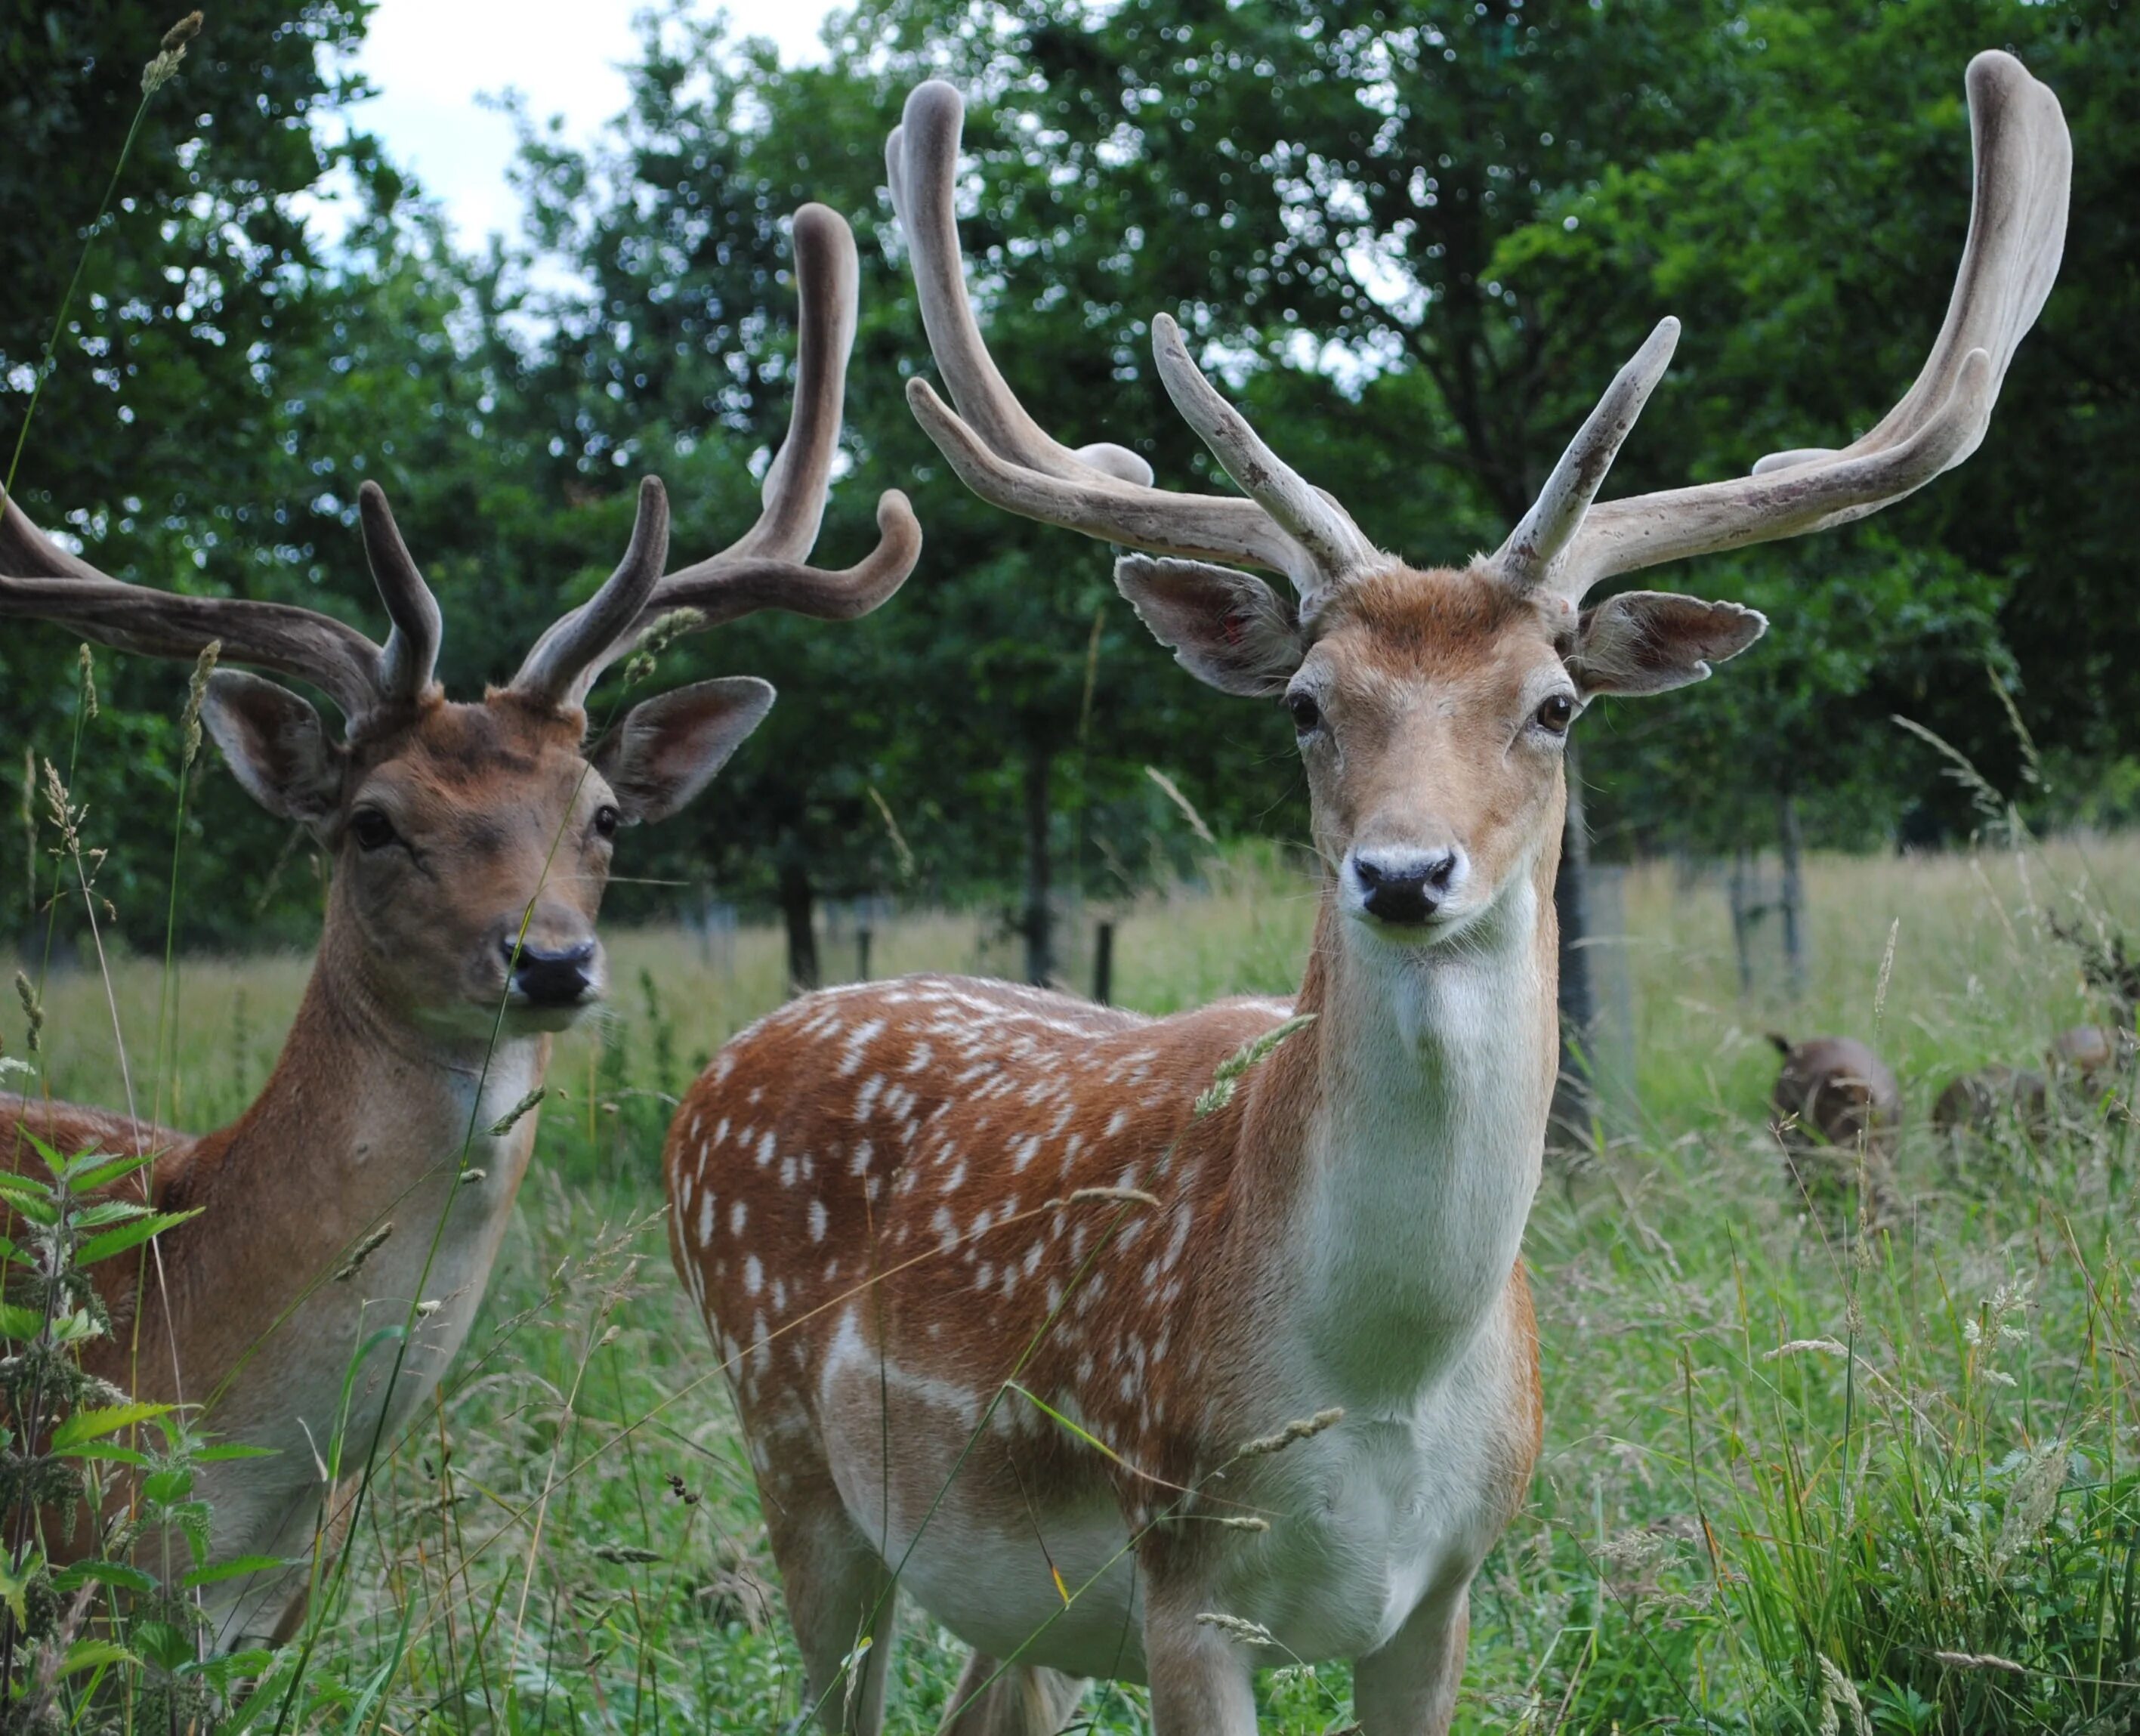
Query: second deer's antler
766,567
763,569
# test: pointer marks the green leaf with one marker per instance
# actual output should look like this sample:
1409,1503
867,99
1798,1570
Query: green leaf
237,1567
92,1424
131,1235
165,1486
118,1575
110,1211
164,1644
35,1206
19,1322
15,1583
229,1450
91,1653
102,1171
105,1452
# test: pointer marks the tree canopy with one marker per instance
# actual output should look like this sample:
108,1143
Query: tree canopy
1414,241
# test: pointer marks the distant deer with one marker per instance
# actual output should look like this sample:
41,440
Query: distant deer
2079,1065
1836,1103
470,845
1112,1387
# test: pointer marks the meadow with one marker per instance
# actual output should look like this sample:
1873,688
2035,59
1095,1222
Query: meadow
1801,1474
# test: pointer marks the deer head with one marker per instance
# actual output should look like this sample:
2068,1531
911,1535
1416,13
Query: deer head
471,842
1432,705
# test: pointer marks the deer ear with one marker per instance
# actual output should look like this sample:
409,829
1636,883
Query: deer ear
1651,641
1228,628
666,750
276,746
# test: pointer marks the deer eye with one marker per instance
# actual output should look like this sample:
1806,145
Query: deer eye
1555,714
1307,714
607,821
371,829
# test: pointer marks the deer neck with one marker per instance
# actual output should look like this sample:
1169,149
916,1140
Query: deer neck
366,1122
1419,1113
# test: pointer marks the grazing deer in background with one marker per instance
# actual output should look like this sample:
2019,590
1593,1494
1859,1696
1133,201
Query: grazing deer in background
471,844
1112,1381
1836,1106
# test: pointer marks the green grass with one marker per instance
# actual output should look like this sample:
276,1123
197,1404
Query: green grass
1721,1536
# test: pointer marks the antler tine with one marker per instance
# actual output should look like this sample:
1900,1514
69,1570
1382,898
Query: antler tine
921,169
1527,558
48,584
407,664
2024,170
1304,513
564,662
827,288
765,567
1003,455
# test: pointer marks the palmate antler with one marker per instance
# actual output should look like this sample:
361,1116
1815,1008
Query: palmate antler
764,569
1565,543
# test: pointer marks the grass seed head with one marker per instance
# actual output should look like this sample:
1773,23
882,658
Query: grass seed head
33,1010
629,1553
1237,1627
171,50
196,693
1220,1091
363,1251
1300,1429
1839,1694
510,1119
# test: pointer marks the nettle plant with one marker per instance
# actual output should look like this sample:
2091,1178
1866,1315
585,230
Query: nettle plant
320,1261
71,1437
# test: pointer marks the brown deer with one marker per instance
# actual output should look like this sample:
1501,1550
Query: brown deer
1118,1371
1836,1105
470,844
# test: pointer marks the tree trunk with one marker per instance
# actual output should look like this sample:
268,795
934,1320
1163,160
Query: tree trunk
1039,921
1793,894
1575,1102
1103,964
799,902
1743,912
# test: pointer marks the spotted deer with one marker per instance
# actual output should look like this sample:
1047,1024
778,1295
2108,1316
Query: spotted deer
1120,1372
470,844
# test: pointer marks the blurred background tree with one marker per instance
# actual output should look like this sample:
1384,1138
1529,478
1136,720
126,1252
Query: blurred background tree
1415,240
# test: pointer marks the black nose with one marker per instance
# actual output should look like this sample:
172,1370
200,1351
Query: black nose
1406,892
548,979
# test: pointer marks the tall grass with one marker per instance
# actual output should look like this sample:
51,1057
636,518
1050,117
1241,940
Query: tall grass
1791,1470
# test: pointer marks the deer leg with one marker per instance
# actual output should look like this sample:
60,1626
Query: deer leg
839,1593
1408,1688
1021,1701
1203,1683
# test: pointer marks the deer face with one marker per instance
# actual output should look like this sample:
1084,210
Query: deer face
1432,710
471,843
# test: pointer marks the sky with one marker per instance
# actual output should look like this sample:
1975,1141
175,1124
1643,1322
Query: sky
431,60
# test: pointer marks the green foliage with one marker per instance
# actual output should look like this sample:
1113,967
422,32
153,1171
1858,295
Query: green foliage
71,1446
